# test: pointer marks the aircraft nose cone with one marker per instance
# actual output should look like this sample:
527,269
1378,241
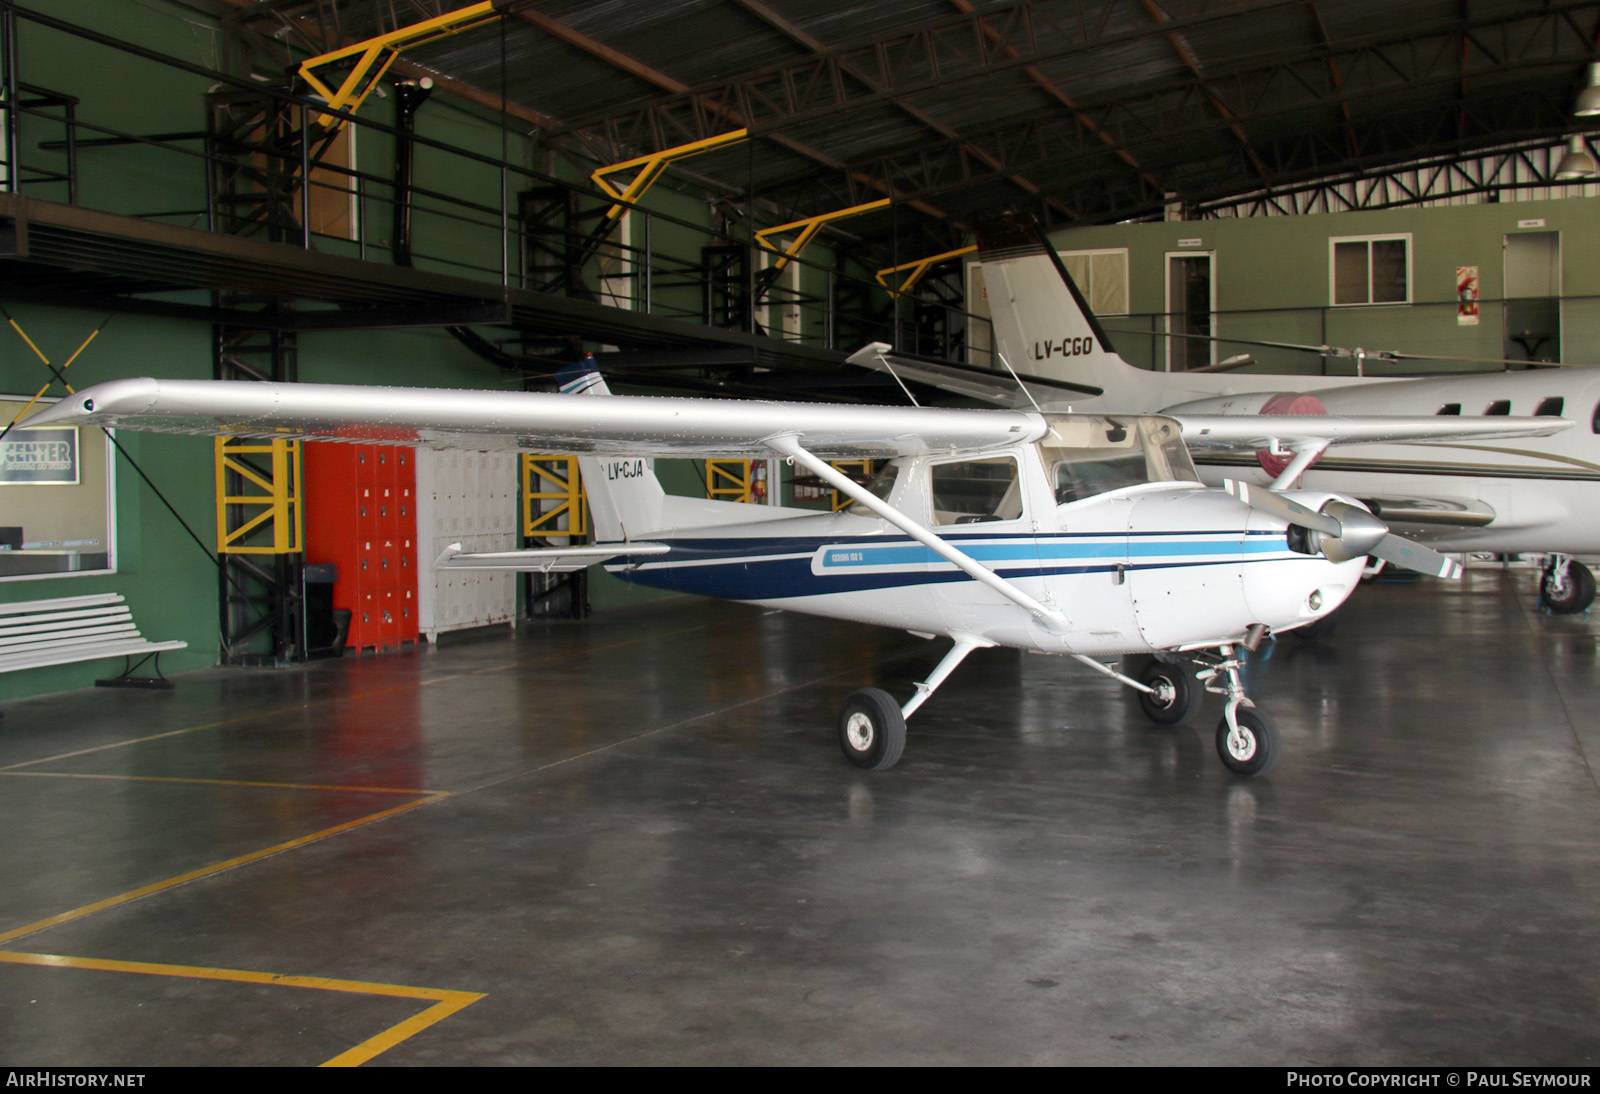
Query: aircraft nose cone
1360,531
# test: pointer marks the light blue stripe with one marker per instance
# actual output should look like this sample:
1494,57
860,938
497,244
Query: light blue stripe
1046,551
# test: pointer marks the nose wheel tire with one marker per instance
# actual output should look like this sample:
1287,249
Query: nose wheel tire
1253,749
872,732
1176,697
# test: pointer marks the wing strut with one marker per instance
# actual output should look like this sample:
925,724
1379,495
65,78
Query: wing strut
788,444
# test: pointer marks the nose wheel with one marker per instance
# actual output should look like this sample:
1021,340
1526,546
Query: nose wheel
1247,741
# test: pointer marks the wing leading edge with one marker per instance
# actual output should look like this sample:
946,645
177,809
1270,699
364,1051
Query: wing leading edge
533,421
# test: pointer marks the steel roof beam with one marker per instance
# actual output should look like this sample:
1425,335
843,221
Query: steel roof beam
1392,69
638,69
1192,62
783,26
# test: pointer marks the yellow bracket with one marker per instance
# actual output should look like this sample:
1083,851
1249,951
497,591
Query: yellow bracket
730,480
652,167
808,229
917,267
276,504
556,479
374,56
846,466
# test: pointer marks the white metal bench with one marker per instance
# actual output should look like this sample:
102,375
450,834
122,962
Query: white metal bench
35,633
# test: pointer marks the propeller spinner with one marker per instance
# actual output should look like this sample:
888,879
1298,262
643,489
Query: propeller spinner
1342,531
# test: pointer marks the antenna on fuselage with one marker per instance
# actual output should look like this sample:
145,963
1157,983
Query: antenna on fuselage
887,367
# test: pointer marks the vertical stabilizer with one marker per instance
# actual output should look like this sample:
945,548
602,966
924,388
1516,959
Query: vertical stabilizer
625,497
1043,325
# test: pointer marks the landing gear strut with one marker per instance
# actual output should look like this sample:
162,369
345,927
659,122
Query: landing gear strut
872,728
1567,586
1247,741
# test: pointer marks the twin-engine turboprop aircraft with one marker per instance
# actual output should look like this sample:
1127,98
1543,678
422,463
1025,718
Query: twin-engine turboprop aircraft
1078,534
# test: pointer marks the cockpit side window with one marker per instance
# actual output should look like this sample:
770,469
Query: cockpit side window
976,491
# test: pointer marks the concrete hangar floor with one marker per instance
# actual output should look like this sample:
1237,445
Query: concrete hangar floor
634,842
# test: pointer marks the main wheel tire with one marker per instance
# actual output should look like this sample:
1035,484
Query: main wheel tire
1177,697
1571,596
872,731
1255,749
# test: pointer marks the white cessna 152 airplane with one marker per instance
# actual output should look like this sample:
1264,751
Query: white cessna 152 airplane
1078,534
1541,495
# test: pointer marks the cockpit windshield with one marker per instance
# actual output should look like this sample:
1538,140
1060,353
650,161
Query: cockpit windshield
1089,454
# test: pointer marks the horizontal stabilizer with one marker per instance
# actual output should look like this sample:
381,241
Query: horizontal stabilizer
547,560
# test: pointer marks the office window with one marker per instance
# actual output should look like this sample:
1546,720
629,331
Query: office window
1102,277
1370,269
55,499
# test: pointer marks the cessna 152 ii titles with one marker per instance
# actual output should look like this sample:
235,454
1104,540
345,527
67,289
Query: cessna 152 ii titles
1088,535
1541,495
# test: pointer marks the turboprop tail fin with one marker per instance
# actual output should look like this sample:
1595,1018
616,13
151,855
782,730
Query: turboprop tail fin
1042,324
626,500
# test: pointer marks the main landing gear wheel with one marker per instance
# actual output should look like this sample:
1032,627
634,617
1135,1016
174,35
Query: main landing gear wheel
1253,749
1177,694
872,731
1567,593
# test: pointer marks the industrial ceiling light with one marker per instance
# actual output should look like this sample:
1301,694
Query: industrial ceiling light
1577,163
1589,98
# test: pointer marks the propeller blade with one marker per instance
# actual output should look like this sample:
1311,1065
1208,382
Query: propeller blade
1283,508
1347,531
1414,556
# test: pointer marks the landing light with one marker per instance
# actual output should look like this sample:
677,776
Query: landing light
1316,600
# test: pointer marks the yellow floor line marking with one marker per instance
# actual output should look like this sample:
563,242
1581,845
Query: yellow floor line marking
337,699
219,782
446,1002
207,871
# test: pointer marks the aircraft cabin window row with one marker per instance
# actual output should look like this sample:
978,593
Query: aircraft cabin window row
1553,407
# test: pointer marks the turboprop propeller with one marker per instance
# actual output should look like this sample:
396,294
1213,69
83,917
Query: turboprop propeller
1341,531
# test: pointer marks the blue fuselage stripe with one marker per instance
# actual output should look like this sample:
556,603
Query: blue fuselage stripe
776,569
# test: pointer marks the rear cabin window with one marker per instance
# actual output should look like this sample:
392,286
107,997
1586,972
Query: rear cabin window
1499,407
1449,408
1090,455
976,491
1551,407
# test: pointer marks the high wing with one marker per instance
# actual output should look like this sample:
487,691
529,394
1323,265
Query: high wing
628,425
